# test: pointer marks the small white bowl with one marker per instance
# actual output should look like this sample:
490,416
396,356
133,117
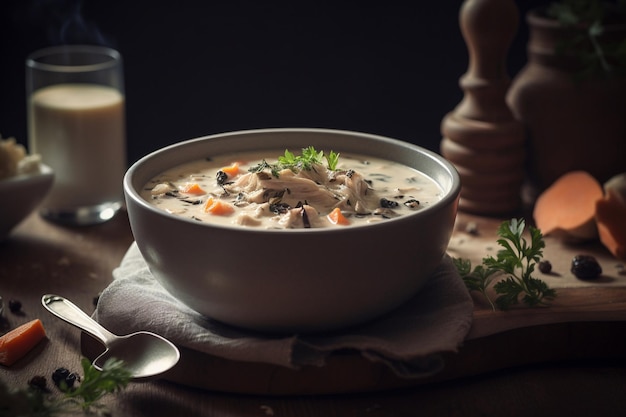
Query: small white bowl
20,195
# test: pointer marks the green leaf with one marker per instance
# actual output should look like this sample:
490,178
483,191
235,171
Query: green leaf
463,266
477,279
96,384
595,29
538,292
309,157
287,159
516,260
509,291
332,159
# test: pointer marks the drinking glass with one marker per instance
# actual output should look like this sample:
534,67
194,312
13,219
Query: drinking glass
76,123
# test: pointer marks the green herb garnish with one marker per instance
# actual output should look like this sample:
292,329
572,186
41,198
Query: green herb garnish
296,163
305,161
477,279
84,398
517,262
332,159
264,165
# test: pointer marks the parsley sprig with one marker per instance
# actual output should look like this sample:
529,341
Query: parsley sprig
516,260
83,398
95,384
477,279
305,161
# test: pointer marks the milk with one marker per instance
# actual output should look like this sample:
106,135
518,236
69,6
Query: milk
78,129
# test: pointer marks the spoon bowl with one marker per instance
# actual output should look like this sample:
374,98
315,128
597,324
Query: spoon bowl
145,354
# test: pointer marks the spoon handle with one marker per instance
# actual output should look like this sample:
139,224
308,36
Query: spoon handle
69,312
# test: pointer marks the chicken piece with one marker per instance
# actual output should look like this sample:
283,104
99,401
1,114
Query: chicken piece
291,188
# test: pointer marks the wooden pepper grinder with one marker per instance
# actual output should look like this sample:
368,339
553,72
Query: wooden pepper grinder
480,136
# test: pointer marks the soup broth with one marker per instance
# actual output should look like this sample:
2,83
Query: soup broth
251,190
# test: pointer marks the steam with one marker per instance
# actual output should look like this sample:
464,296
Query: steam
65,23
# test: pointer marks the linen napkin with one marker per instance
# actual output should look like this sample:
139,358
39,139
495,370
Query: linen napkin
409,339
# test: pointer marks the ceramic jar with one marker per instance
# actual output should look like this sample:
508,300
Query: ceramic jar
571,122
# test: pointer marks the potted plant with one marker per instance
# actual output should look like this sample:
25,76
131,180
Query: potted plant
597,40
571,94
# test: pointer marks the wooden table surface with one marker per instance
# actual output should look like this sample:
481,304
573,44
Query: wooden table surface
569,359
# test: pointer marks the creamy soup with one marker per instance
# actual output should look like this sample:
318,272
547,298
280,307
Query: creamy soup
255,190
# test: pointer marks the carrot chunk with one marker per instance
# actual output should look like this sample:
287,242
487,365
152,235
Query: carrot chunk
218,207
192,188
232,170
337,217
19,341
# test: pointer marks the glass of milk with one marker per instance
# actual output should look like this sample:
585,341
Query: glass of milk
75,96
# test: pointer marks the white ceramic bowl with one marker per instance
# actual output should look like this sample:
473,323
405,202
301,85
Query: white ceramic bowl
20,195
304,280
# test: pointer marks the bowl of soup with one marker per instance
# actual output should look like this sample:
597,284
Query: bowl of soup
293,229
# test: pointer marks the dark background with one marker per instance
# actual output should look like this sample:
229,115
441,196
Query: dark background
194,68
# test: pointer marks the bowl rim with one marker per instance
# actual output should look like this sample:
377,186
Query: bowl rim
44,173
448,198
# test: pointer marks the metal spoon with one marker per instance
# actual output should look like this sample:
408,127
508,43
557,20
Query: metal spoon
145,354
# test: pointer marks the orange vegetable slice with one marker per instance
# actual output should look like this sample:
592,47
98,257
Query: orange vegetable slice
18,342
218,207
611,221
192,188
567,208
232,170
337,217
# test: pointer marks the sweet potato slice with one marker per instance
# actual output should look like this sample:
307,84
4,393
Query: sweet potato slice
18,342
567,208
611,216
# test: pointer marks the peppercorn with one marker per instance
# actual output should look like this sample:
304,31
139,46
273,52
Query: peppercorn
38,381
545,267
71,379
64,376
15,306
586,267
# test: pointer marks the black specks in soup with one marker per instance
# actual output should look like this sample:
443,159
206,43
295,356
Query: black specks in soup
257,194
412,203
384,203
192,202
279,208
305,218
221,177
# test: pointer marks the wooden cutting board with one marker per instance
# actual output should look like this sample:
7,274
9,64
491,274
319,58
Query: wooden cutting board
587,320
